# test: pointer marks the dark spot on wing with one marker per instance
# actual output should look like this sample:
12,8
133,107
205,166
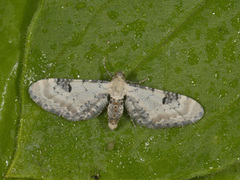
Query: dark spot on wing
169,97
64,84
164,100
69,88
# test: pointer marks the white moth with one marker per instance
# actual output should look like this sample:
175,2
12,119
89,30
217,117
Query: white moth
78,100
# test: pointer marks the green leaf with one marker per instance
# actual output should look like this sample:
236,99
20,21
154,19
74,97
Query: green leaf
189,47
14,24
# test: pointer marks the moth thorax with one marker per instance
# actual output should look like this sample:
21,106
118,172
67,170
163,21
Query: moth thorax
115,110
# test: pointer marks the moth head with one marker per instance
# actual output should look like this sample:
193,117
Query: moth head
119,74
112,124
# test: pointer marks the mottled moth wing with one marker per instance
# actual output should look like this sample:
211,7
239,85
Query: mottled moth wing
160,109
72,99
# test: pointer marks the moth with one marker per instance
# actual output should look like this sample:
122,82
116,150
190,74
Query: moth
77,100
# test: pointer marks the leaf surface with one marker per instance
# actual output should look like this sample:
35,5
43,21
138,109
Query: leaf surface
185,47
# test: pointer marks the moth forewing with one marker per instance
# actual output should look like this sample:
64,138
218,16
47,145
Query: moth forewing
161,109
72,99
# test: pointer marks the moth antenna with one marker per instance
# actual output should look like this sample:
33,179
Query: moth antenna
110,74
139,82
